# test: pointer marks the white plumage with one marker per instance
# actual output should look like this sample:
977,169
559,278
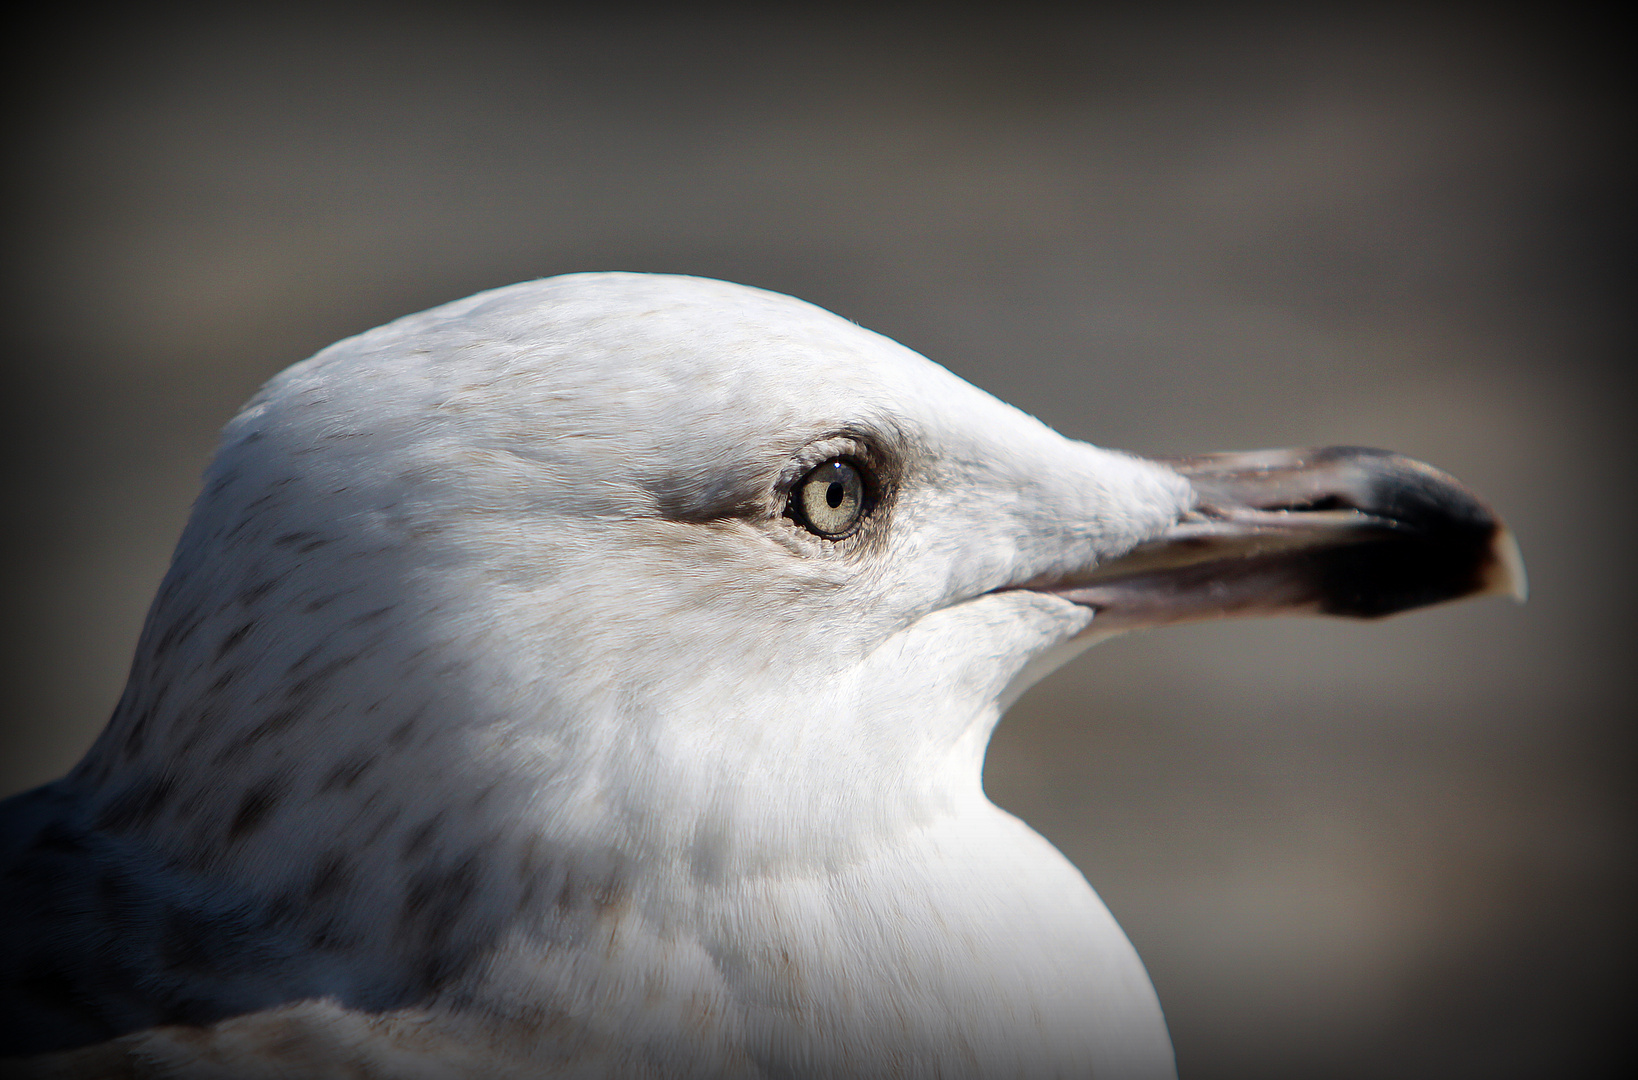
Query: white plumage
505,713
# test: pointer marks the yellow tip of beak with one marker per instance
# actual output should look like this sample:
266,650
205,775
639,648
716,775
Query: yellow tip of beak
1508,576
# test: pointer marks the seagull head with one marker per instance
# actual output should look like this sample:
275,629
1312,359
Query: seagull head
687,572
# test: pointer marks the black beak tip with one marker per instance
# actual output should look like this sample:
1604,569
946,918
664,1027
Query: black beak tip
1383,577
1439,542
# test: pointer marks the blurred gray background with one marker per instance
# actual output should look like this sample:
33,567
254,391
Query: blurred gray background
1343,849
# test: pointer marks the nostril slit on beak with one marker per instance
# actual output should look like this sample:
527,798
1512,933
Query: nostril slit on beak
1322,502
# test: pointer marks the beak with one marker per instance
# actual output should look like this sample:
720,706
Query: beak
1341,530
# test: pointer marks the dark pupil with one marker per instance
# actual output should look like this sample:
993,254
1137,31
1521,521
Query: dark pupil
834,493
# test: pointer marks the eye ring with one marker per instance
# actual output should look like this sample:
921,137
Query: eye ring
832,499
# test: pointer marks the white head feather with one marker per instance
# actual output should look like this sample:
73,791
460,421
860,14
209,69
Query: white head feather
492,666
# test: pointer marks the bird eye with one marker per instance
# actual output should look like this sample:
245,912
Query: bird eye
830,500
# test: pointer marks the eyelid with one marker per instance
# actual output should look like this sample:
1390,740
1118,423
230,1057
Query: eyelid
879,459
847,447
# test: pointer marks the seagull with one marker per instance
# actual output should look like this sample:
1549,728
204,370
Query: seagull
592,678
